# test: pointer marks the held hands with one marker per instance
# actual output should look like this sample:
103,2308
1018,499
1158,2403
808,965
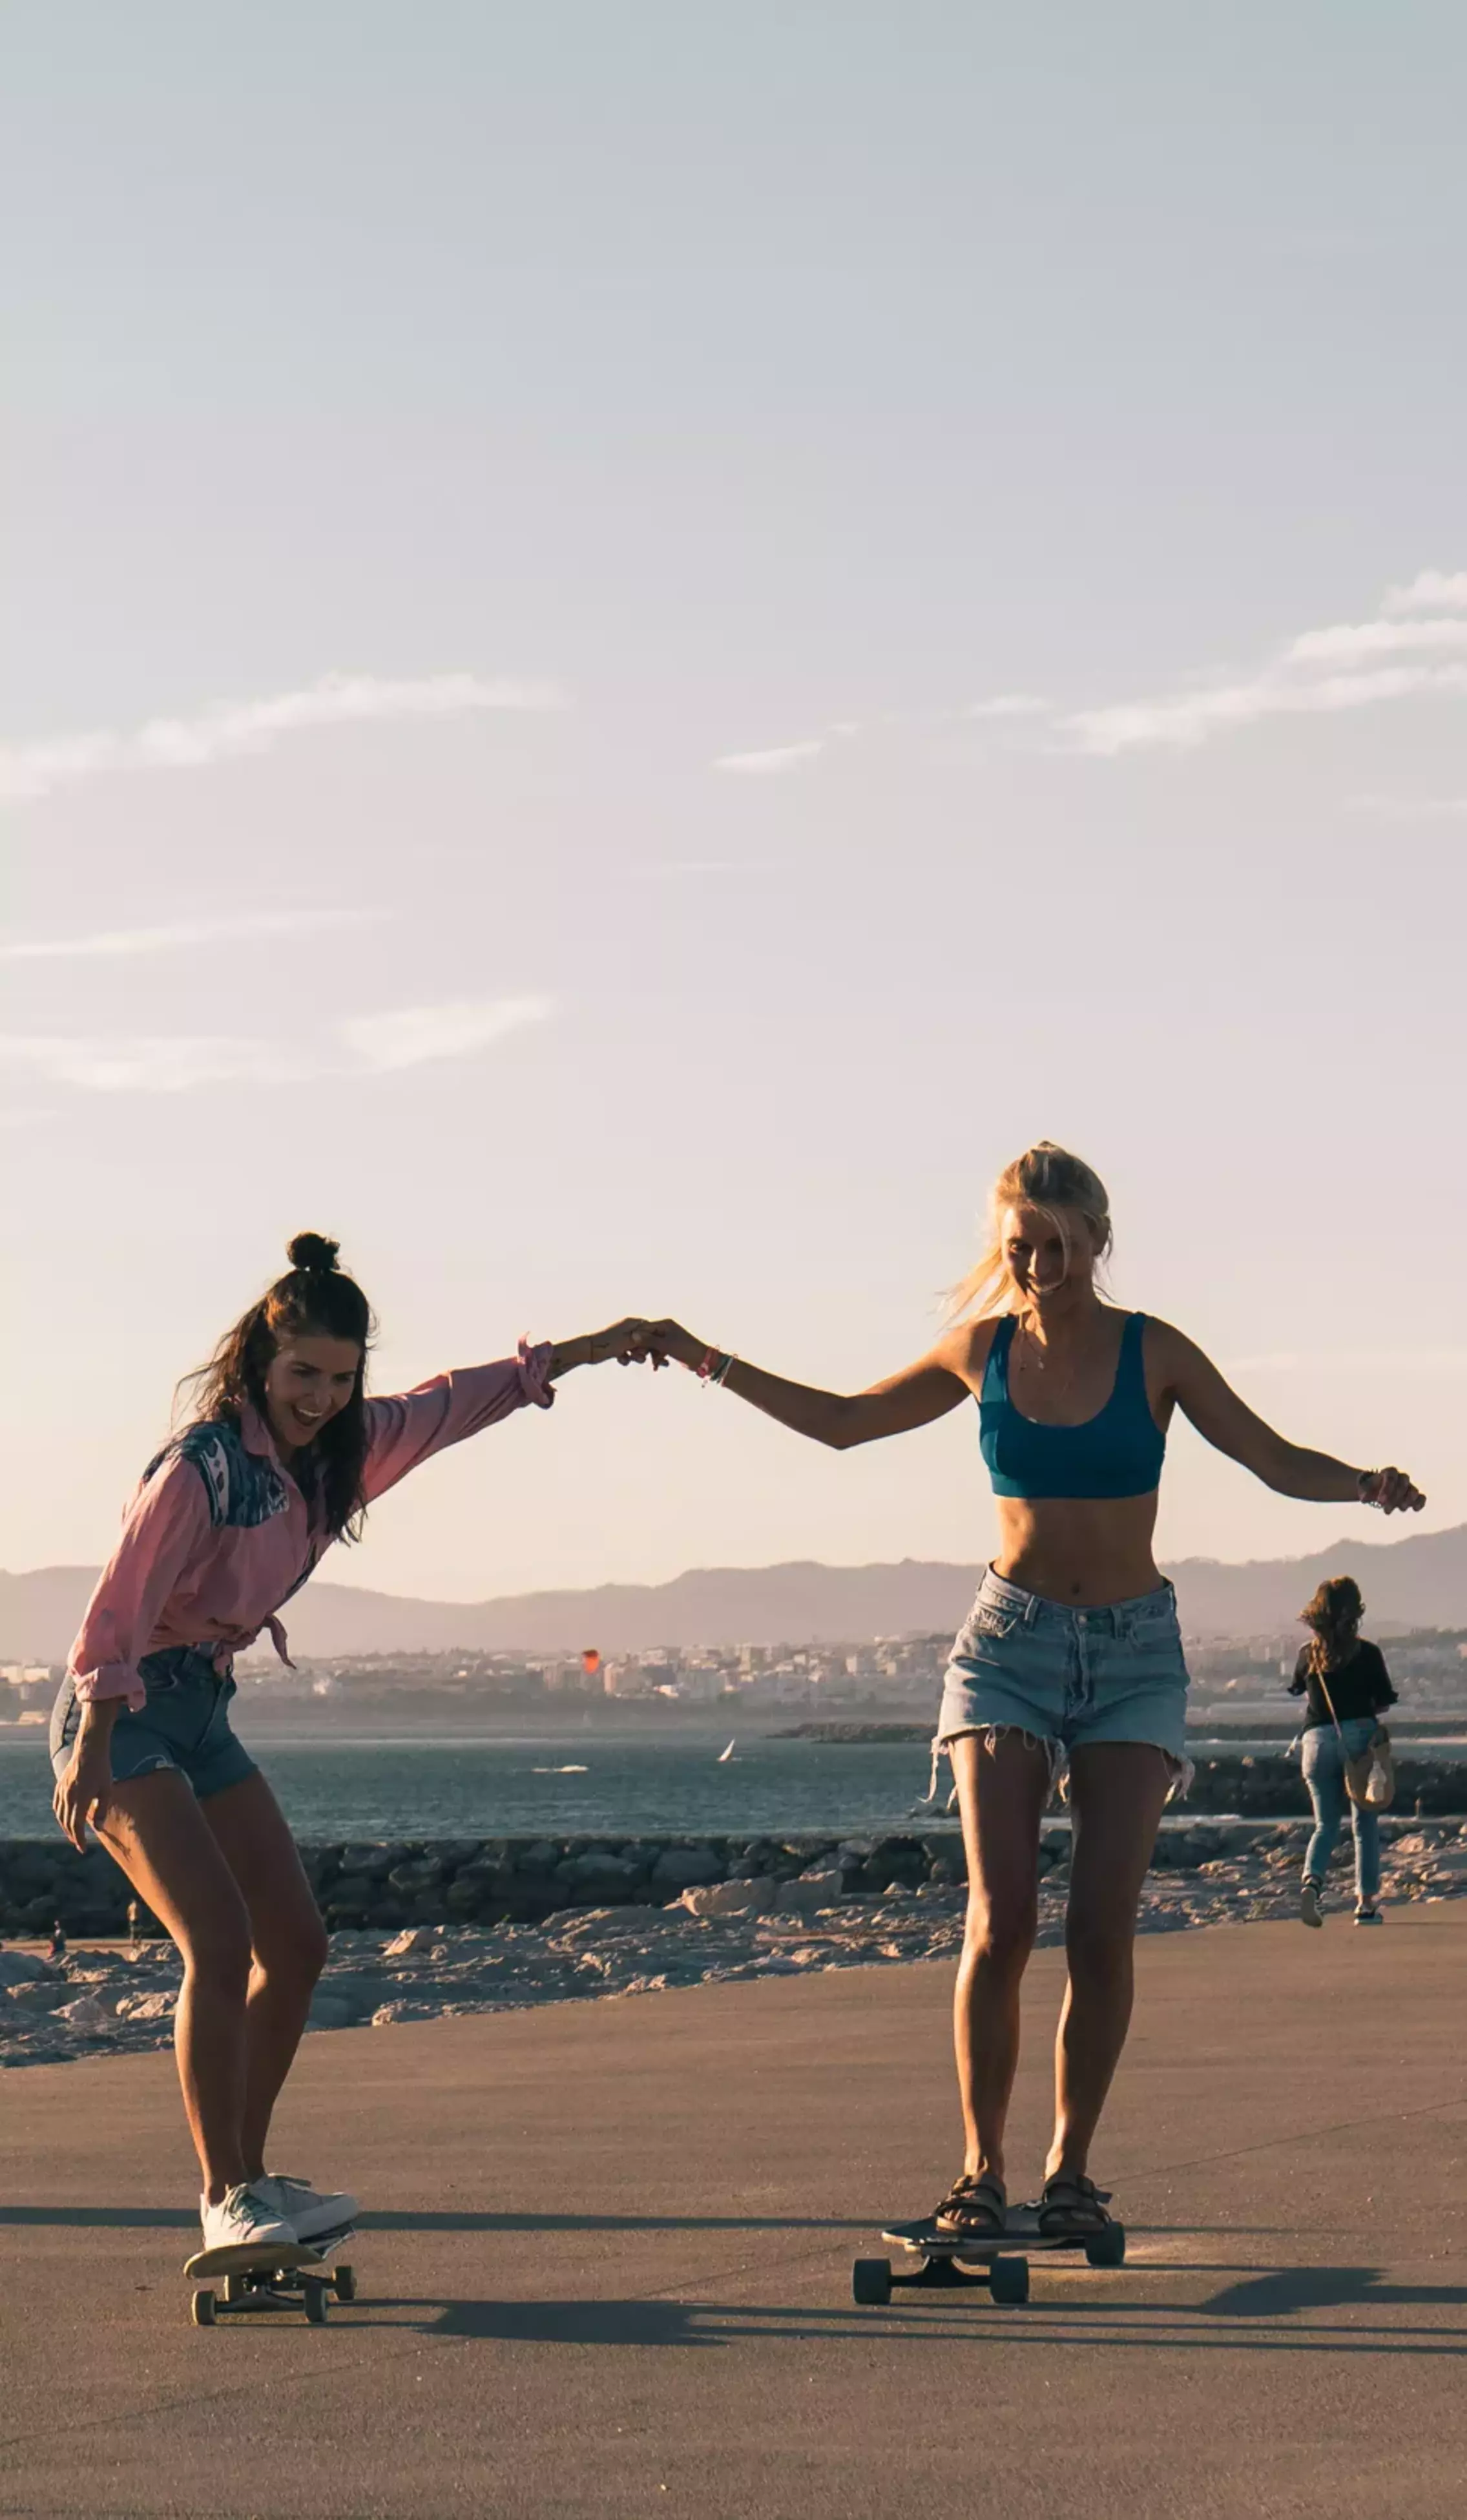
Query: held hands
1390,1492
658,1343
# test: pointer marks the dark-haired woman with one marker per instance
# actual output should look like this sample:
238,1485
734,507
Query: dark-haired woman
282,1457
1347,1688
1072,1653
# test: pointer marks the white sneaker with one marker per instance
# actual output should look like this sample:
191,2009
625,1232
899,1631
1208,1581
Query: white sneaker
247,2224
1308,1905
300,2204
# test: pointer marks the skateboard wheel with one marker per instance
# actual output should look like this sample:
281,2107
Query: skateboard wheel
201,2310
1008,2279
313,2291
871,2283
1107,2248
344,2284
235,2290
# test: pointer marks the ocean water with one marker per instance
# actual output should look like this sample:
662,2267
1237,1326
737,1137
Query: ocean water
562,1788
573,1787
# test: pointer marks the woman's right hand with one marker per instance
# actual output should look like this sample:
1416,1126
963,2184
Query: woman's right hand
83,1786
662,1342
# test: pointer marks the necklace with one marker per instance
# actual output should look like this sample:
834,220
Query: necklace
1042,1362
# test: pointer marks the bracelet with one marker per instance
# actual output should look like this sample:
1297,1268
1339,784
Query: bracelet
1362,1483
706,1362
722,1375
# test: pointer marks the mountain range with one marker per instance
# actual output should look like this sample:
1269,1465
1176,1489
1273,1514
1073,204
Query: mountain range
1419,1581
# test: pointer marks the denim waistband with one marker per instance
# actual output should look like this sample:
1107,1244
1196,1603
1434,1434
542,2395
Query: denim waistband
1109,1619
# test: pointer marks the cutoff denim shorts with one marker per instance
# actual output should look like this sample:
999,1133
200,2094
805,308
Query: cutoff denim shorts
185,1724
1069,1677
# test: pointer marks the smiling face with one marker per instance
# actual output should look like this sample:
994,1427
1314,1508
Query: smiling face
309,1379
1050,1252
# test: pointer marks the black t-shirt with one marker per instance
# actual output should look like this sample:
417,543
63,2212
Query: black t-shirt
1360,1687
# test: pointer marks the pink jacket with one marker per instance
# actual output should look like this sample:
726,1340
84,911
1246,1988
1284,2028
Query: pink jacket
198,1566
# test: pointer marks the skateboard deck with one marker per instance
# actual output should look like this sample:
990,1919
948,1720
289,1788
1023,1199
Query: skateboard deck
1021,2237
1002,2264
291,2278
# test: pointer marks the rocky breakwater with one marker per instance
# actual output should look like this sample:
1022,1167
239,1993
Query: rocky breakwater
483,1927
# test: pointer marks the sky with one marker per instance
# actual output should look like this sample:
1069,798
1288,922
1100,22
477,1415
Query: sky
636,644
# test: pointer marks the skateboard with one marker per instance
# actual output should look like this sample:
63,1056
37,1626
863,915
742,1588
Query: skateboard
295,2278
1000,2265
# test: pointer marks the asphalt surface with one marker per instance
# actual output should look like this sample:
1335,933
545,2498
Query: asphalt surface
607,2267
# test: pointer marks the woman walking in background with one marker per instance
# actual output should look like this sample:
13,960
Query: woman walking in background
1346,1687
1072,1651
284,1456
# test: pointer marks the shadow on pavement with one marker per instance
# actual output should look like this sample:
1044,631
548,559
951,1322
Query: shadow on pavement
1286,2288
178,2217
1125,2325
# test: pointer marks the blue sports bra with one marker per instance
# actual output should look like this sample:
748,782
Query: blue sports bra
1117,1454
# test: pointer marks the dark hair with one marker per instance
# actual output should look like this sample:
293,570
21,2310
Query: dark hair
313,1297
1334,1614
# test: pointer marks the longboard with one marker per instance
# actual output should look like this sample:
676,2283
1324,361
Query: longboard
1002,2264
284,2278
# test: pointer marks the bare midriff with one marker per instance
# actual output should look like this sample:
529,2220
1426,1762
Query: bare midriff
1082,1550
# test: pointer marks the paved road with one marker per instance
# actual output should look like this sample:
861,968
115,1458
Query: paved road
609,2272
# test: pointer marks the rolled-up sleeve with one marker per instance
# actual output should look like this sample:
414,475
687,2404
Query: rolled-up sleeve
167,1522
413,1425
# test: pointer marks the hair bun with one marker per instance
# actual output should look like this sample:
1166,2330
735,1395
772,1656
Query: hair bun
312,1252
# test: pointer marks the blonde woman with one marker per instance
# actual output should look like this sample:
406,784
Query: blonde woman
1071,1652
1347,1688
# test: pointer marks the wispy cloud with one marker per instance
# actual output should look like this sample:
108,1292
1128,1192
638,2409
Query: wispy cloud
180,935
1010,705
770,764
366,1045
1433,590
229,728
411,1035
1347,665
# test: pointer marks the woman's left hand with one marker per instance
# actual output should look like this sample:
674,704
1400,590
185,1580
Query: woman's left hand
1392,1492
620,1339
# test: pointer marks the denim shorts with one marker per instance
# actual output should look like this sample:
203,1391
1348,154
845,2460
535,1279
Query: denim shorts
184,1726
1069,1677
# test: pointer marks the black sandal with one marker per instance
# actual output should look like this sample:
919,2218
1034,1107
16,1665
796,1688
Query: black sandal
1072,2207
973,2209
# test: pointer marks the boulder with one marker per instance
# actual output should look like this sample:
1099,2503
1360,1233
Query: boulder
601,1879
686,1868
87,2014
20,1968
416,1938
41,1996
734,1898
810,1891
411,1879
157,2006
346,1999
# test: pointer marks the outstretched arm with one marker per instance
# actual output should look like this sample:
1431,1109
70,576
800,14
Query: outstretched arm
916,1396
1227,1423
409,1426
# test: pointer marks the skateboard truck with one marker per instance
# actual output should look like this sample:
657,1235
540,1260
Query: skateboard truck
295,2280
999,2266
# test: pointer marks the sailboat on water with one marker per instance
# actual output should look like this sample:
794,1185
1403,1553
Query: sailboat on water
723,1755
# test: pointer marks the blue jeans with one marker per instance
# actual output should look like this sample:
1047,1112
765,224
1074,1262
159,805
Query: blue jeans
1324,1776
